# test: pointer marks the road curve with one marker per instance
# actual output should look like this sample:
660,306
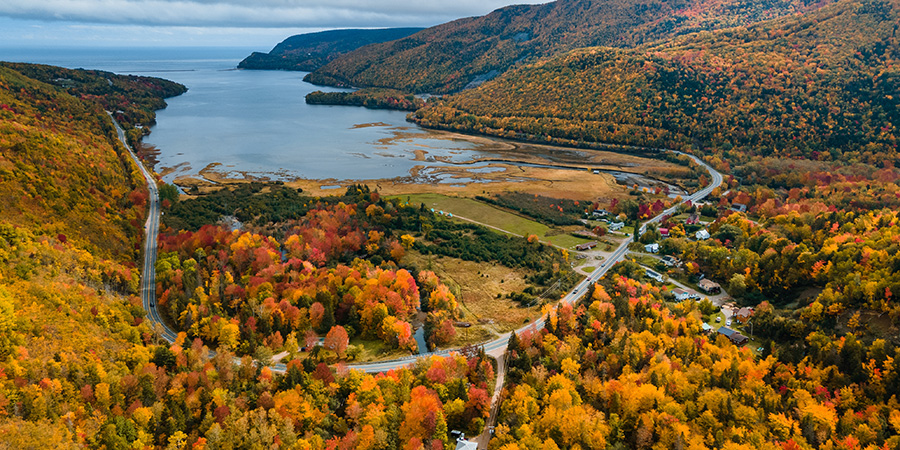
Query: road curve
499,344
148,277
151,230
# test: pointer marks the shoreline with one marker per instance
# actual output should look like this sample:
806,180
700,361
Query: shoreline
517,166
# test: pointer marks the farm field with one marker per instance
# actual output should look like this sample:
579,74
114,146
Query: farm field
494,217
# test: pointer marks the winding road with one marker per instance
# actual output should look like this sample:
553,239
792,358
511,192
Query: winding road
151,230
496,347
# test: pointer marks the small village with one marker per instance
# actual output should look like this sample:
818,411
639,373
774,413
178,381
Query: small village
729,319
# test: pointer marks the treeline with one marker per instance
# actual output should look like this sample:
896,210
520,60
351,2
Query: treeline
273,209
620,370
251,203
475,243
369,98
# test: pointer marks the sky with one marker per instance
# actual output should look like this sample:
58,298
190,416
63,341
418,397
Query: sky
249,23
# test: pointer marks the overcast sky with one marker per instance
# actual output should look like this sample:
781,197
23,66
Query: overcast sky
40,23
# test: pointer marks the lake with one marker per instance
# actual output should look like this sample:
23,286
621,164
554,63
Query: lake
256,123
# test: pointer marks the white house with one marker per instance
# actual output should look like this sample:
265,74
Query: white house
654,275
702,234
616,226
681,294
652,248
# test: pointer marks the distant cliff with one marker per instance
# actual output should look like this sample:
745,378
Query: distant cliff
308,52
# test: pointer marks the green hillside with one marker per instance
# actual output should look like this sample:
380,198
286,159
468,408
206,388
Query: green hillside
308,52
452,56
822,86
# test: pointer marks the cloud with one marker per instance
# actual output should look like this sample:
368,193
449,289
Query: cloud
252,13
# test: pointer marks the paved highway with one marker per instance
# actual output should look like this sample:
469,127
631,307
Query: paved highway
151,230
494,347
498,346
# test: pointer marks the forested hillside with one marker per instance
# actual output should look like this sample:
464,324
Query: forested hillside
621,370
452,56
64,174
81,368
308,52
821,86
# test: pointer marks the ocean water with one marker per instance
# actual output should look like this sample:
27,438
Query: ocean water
256,122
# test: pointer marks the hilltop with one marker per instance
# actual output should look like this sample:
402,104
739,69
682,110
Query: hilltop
821,86
465,52
308,52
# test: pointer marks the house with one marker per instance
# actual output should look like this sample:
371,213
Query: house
744,314
727,332
682,295
654,275
733,336
463,444
616,226
671,261
739,339
664,232
586,246
600,213
652,248
702,235
693,219
739,207
709,286
706,328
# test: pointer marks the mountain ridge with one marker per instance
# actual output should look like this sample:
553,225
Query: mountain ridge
803,86
447,57
309,51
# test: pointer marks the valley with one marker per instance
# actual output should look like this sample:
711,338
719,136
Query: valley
578,224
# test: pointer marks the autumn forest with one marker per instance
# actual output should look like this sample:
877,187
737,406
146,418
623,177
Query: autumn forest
284,303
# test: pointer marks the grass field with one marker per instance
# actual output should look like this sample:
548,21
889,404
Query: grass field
481,291
376,350
494,217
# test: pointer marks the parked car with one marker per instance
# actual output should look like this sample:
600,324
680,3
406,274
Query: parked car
728,323
718,319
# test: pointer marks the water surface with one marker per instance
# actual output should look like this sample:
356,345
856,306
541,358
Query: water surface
257,123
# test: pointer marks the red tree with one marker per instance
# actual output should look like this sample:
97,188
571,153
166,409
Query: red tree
337,340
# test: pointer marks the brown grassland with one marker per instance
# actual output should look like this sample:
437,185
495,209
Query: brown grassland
570,178
476,286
